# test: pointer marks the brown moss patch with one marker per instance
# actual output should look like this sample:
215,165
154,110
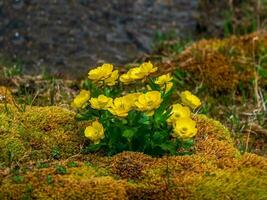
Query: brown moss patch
222,64
129,165
5,95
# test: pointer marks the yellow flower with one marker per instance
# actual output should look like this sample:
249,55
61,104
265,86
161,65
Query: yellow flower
100,73
138,73
190,100
112,80
120,107
168,86
148,68
178,111
164,79
148,102
164,82
80,100
95,132
126,79
101,102
132,98
184,128
132,75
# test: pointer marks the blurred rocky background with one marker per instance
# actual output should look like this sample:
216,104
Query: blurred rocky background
68,36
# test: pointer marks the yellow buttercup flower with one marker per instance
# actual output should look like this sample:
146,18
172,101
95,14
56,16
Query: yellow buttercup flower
148,68
120,107
95,132
126,79
101,72
164,82
168,86
112,80
138,73
101,102
132,75
148,102
132,98
178,111
184,128
163,79
81,99
190,100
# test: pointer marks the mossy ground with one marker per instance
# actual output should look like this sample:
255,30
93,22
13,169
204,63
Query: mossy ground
128,175
229,75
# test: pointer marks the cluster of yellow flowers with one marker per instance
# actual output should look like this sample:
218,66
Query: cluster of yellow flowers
104,75
183,126
120,106
138,73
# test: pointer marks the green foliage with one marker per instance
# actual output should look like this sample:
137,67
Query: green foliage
17,179
61,170
49,179
137,129
55,153
72,164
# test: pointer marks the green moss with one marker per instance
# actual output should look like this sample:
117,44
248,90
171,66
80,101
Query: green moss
37,133
247,183
210,127
80,182
11,150
128,175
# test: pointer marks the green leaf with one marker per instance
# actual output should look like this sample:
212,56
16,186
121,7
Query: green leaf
153,85
169,147
128,133
262,72
158,137
187,144
93,147
144,119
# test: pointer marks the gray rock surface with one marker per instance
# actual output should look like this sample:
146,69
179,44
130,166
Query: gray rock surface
68,36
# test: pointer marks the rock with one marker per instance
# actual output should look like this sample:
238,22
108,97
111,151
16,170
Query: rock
69,36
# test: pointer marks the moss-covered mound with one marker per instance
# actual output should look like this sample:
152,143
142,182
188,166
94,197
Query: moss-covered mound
39,157
33,133
221,64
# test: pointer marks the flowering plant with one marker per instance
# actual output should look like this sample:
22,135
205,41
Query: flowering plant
128,116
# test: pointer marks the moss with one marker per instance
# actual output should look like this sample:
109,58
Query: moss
5,95
208,127
128,175
79,183
129,165
248,183
38,133
222,64
11,150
